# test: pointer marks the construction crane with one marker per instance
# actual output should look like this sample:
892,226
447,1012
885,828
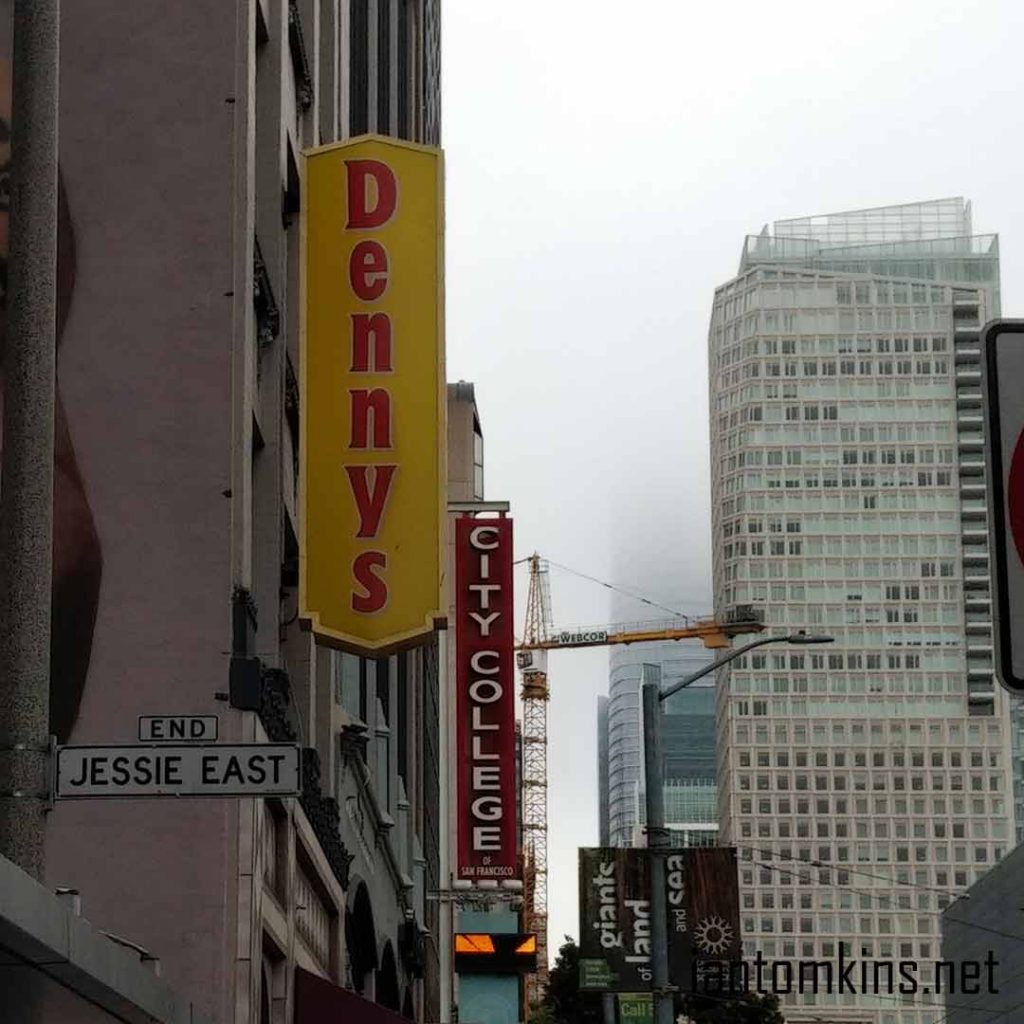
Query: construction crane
539,637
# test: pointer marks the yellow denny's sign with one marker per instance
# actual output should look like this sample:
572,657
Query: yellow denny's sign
372,393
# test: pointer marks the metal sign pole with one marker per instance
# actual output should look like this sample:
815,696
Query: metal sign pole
446,911
657,840
608,1007
26,491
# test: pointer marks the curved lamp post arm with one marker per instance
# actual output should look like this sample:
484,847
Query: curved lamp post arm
651,696
794,638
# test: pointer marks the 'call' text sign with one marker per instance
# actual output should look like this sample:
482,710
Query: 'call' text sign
252,769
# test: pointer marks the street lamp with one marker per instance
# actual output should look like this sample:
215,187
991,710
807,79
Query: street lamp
657,835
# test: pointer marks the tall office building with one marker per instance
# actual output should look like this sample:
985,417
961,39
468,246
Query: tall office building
688,747
604,836
867,781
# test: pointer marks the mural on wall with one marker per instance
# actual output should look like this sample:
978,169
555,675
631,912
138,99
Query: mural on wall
77,552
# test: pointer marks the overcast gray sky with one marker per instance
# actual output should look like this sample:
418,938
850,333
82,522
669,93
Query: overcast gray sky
604,163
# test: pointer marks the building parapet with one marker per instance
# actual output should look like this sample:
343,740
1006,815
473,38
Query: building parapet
44,931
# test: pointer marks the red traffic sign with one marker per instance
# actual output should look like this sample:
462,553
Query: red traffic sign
1002,343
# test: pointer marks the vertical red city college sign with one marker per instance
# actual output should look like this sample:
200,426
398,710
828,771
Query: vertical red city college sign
485,704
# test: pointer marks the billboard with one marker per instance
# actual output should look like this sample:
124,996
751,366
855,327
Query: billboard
703,903
615,919
702,906
485,699
372,393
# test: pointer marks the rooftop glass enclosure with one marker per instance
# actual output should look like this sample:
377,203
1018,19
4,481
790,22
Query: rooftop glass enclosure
940,246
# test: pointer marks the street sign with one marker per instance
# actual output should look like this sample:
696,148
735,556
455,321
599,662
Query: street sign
177,728
252,769
485,706
636,1008
595,973
1003,394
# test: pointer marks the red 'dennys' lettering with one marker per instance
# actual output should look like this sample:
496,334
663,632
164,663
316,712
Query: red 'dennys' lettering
375,327
366,571
370,498
368,270
370,405
372,193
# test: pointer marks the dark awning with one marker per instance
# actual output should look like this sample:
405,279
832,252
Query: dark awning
319,1002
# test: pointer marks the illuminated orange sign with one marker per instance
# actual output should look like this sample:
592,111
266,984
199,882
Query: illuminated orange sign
372,393
495,953
466,943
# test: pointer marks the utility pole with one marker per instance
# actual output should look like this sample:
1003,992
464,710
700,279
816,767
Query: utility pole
26,471
608,1007
657,841
657,835
446,819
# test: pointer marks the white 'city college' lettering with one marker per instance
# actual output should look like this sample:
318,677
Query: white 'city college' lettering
486,803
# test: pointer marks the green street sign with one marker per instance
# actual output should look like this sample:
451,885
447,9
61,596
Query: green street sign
636,1008
596,974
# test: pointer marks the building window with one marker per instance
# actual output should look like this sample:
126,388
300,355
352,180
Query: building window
359,71
404,127
478,466
403,724
384,67
349,673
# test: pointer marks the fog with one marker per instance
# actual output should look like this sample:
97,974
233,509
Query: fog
604,162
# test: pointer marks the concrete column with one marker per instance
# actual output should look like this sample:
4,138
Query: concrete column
26,494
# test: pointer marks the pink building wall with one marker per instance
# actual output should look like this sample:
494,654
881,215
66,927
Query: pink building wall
148,155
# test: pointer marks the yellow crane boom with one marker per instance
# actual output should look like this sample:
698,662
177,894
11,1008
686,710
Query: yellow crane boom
712,632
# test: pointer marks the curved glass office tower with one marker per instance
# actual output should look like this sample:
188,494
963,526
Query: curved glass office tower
688,747
866,782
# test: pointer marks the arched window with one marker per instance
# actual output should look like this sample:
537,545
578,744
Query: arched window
361,938
387,980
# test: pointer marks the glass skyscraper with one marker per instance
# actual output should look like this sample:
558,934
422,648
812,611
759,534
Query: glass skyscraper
868,781
688,747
